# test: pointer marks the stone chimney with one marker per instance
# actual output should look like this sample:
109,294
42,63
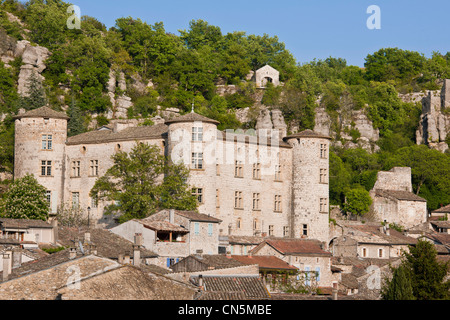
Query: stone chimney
200,283
335,291
136,256
55,230
172,216
72,253
87,237
7,257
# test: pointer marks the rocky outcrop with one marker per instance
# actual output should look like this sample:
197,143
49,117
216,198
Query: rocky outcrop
271,122
356,121
434,125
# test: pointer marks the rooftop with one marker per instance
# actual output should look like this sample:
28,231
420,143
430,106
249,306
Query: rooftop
445,209
191,117
43,112
265,262
24,224
295,247
309,134
399,195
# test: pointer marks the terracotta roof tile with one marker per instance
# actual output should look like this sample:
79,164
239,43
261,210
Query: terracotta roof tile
297,246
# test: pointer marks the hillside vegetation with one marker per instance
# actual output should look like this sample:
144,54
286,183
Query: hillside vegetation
186,68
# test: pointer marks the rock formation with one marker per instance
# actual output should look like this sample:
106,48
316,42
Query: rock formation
434,125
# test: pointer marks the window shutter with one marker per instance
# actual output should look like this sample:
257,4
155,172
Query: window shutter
318,274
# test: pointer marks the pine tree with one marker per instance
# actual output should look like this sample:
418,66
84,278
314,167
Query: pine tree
400,287
75,125
35,97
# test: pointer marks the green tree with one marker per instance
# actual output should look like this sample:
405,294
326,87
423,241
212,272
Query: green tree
26,199
422,272
35,97
133,184
75,125
358,201
400,286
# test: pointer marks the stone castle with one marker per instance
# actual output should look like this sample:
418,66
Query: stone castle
257,183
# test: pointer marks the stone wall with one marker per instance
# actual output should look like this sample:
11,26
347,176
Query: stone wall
395,179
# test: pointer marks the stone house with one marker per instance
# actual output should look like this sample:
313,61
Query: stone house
256,183
265,75
371,241
30,233
174,234
394,201
308,256
441,213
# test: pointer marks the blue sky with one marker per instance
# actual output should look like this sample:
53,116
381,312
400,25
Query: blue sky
309,28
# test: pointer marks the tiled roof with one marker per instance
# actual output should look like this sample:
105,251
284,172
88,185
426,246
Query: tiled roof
43,112
192,117
217,261
199,217
220,296
296,247
443,238
127,134
109,245
24,224
441,224
163,226
265,262
372,234
250,285
308,134
40,264
445,209
399,195
246,240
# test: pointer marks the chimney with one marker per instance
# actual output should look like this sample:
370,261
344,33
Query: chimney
335,291
172,216
72,253
138,240
6,265
200,282
228,254
136,256
87,237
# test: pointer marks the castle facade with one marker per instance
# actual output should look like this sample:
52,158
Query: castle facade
257,183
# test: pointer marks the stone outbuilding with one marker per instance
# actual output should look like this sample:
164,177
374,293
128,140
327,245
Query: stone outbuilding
394,200
265,75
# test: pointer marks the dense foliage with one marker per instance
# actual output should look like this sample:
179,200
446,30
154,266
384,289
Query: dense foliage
25,199
420,276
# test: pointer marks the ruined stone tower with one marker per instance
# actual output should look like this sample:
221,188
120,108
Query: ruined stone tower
40,139
310,185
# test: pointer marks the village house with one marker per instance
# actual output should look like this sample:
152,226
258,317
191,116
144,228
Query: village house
29,233
174,234
370,240
308,256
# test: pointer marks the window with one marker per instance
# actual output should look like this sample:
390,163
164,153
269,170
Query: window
286,231
48,196
46,168
323,151
318,274
256,201
238,223
197,134
255,224
198,193
196,228
217,198
364,252
75,200
94,202
217,169
210,229
94,168
380,253
47,142
257,171
305,230
197,160
239,169
277,206
324,205
76,168
278,172
323,176
238,202
271,230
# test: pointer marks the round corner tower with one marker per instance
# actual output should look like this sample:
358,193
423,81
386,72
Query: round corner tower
40,139
310,185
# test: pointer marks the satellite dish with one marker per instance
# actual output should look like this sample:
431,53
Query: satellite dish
81,247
